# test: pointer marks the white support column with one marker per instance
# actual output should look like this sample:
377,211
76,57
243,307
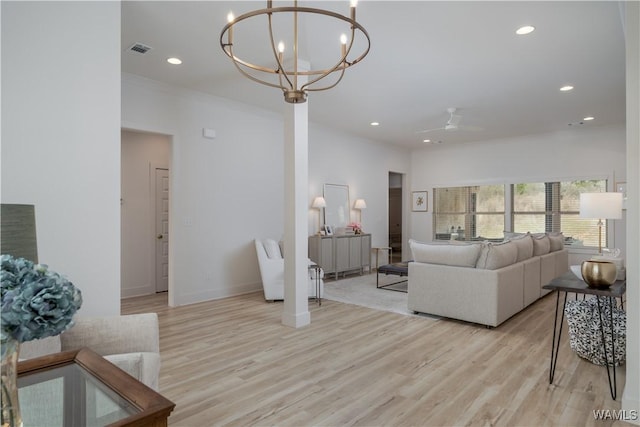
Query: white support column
296,176
631,395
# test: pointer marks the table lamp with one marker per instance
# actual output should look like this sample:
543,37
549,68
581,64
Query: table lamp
359,205
319,203
601,206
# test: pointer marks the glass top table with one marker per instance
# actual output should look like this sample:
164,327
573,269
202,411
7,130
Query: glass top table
81,388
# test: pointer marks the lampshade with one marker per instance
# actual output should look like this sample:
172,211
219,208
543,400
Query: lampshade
601,205
319,202
360,204
18,231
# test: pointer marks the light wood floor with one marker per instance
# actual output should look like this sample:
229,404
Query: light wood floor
232,362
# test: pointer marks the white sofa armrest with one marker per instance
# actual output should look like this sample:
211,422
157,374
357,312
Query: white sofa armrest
143,366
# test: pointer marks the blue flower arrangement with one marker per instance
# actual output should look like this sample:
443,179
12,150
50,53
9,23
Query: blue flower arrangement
36,302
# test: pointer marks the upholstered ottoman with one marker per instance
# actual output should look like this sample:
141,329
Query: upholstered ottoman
397,269
585,333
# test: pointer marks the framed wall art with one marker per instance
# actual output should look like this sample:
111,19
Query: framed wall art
419,201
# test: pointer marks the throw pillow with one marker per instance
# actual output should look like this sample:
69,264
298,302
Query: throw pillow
524,244
272,248
498,255
455,255
508,235
556,241
541,244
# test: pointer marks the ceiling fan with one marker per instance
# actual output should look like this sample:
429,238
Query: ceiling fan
452,124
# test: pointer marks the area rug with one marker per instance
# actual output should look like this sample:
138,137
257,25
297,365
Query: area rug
397,286
362,290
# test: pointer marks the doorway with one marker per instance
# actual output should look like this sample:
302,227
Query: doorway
395,215
144,206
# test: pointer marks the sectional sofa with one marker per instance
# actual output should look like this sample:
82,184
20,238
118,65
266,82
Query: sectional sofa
484,282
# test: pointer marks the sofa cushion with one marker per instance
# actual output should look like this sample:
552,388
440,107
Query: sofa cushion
41,347
509,235
497,255
524,243
541,244
455,255
556,241
272,248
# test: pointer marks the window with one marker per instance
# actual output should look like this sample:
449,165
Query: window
555,206
478,212
469,213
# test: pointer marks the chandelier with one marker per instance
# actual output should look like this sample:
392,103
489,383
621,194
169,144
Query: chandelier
287,77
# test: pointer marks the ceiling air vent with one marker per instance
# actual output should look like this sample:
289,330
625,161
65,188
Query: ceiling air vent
140,48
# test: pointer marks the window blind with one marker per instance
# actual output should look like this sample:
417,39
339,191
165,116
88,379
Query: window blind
469,213
555,206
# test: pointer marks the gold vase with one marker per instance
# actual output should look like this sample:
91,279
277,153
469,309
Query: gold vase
598,273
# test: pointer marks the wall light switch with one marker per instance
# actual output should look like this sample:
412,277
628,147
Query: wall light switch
208,133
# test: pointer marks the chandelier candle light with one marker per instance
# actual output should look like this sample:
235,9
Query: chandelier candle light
278,75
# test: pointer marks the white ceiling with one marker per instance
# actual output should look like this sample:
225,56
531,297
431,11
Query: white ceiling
425,56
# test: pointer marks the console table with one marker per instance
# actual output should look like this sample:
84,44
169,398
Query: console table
570,283
341,253
81,388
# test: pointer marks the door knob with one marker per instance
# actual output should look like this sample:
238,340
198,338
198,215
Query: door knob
159,236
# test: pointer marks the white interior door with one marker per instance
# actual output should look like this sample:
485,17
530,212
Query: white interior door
162,230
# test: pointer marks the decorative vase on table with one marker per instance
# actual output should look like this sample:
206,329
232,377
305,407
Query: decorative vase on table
36,303
10,348
598,274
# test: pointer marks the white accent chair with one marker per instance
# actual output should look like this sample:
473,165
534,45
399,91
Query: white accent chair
271,263
130,342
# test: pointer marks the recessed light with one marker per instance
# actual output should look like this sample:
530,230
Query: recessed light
375,124
525,30
174,61
426,140
566,88
588,118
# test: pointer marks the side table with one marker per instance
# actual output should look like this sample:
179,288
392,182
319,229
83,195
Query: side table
81,388
318,277
570,283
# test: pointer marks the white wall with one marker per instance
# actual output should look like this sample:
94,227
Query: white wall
61,137
364,166
228,191
141,154
598,152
